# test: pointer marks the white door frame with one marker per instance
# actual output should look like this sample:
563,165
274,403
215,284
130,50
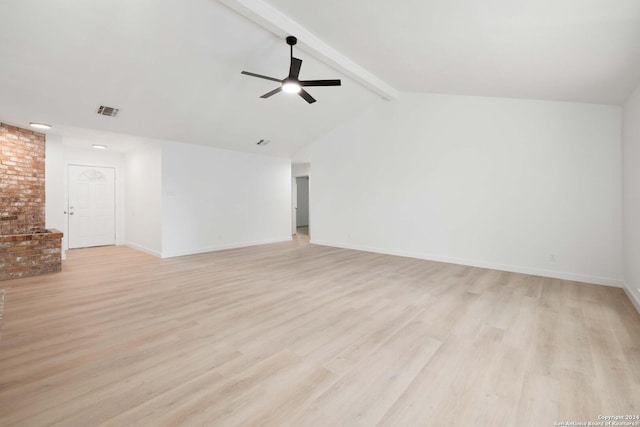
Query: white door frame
294,202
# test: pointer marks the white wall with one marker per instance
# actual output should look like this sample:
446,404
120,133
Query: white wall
497,183
178,199
300,169
54,183
143,217
631,195
55,187
59,157
214,199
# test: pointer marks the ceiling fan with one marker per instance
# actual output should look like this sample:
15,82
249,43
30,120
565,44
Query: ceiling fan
291,83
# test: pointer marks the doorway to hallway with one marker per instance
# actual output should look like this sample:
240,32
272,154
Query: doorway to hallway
302,205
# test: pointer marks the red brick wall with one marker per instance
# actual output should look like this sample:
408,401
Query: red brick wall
23,251
22,202
23,255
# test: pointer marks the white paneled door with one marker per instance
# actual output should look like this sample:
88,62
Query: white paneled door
91,210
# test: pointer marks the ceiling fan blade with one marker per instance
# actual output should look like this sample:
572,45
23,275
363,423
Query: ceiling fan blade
305,95
320,83
261,76
294,69
273,92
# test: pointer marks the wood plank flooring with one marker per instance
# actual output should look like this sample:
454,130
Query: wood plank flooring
292,334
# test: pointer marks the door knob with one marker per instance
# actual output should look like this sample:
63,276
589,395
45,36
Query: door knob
70,213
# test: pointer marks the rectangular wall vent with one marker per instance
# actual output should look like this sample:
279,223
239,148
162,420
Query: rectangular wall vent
108,111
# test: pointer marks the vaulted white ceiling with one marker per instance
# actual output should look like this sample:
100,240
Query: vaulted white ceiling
173,67
568,50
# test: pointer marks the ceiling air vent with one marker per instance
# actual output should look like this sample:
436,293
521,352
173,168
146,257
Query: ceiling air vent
107,111
263,142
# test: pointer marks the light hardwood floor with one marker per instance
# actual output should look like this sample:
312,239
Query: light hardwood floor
303,335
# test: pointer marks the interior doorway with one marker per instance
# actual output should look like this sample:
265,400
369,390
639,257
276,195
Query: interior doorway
91,209
302,205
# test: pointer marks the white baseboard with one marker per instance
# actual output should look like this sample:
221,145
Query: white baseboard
223,247
143,249
635,300
606,281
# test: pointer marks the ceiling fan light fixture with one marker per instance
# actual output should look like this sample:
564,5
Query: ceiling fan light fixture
291,87
292,83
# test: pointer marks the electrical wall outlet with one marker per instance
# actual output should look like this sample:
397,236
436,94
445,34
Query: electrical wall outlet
553,257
